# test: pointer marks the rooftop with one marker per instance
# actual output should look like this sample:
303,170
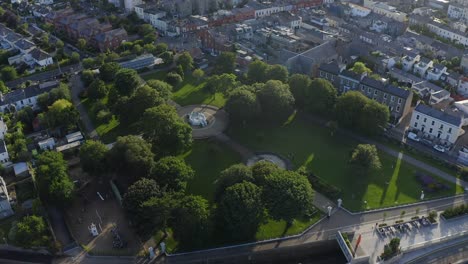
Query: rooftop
432,112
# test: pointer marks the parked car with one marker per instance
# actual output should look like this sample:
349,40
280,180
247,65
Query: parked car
413,136
439,148
426,142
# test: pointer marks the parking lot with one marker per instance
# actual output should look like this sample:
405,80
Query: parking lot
115,236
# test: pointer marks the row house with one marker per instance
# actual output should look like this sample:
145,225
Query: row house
430,91
436,72
111,40
214,42
462,87
436,125
21,98
422,66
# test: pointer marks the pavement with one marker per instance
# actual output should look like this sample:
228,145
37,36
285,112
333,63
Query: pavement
77,87
454,251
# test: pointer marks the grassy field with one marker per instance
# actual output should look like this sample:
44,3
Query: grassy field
107,131
190,92
208,159
274,229
327,156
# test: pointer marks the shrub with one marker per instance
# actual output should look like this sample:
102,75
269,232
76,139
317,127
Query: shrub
391,249
324,188
455,211
104,116
432,216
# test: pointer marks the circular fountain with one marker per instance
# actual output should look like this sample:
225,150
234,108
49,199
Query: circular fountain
269,157
197,119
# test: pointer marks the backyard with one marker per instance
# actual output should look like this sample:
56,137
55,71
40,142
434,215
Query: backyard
312,146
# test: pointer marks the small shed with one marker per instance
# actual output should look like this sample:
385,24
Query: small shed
76,136
21,169
47,144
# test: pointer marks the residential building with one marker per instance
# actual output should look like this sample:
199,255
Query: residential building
386,10
358,11
464,63
111,40
44,2
422,67
349,80
462,87
404,77
430,91
129,5
5,206
21,169
4,156
409,60
3,129
436,72
330,71
397,99
39,57
47,144
21,98
436,125
457,11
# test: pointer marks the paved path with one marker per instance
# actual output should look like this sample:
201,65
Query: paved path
76,89
241,149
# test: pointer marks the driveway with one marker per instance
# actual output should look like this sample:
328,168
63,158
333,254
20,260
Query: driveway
77,87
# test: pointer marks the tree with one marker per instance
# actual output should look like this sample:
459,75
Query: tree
167,57
241,211
75,57
52,178
131,109
61,113
8,73
186,61
235,174
225,63
3,87
126,81
30,231
60,92
160,48
256,72
155,213
26,116
242,105
261,170
97,90
81,43
172,173
191,222
365,158
348,108
221,83
322,96
137,49
174,79
277,72
167,132
374,118
163,88
108,71
276,100
360,68
145,29
287,195
93,156
198,74
149,38
87,76
132,158
138,193
300,88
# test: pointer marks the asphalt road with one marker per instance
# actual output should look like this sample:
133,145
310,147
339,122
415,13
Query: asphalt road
457,253
44,76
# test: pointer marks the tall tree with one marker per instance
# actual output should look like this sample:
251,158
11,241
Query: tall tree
374,118
61,113
242,105
186,61
277,72
8,73
168,133
81,43
138,193
241,211
287,195
257,72
93,156
300,88
261,170
108,71
322,96
365,158
126,81
221,83
97,89
349,107
172,173
276,101
30,231
360,68
225,63
198,74
235,174
163,88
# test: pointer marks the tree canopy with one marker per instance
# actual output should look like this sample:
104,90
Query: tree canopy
30,231
97,89
322,97
108,71
276,101
365,158
242,105
126,81
225,63
163,88
61,113
172,173
186,61
300,88
360,68
138,193
235,174
93,156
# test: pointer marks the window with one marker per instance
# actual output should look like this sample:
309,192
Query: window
362,88
417,117
425,119
433,123
392,98
450,130
415,124
375,92
399,100
385,97
441,126
321,74
398,109
430,130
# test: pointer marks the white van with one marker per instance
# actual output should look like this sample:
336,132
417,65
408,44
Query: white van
413,136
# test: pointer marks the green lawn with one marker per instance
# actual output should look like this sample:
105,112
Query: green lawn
190,92
208,159
274,229
327,156
107,131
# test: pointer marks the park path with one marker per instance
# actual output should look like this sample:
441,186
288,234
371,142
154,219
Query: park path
76,88
236,146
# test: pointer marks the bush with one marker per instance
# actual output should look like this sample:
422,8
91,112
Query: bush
174,79
324,188
104,116
391,249
455,211
432,216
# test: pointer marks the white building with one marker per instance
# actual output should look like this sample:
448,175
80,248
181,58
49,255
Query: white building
409,60
462,87
422,67
47,144
4,156
130,4
21,98
436,125
386,10
457,11
358,11
44,2
445,32
3,129
5,206
436,72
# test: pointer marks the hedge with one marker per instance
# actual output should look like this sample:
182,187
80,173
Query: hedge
324,187
455,211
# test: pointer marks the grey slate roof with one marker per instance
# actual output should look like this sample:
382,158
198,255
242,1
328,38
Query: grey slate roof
439,66
331,67
350,75
390,89
372,83
28,92
432,112
38,54
24,44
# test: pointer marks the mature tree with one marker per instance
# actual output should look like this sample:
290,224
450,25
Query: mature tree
3,87
168,133
287,195
97,89
186,61
225,63
198,74
191,222
52,178
137,49
163,88
365,158
131,157
235,174
26,116
242,105
241,211
131,109
155,213
374,118
75,57
174,79
93,156
277,72
8,73
81,43
167,57
276,100
221,83
87,76
145,29
108,71
60,92
126,81
138,193
172,173
160,48
262,169
360,68
30,231
61,113
349,107
300,88
257,71
322,96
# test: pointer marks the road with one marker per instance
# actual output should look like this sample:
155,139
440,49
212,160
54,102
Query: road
77,87
44,76
457,253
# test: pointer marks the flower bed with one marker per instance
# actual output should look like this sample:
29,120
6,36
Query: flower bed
429,184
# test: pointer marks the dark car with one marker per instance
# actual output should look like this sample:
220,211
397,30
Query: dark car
426,142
